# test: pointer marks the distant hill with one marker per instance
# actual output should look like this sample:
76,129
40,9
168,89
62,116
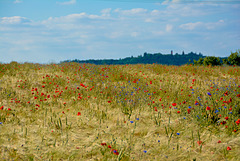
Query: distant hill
147,58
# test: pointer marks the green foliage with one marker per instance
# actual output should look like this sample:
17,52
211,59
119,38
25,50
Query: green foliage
199,62
147,58
225,61
234,58
211,60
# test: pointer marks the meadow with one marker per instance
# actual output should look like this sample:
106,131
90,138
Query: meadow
136,112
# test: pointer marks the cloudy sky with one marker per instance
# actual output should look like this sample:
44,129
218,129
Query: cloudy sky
45,31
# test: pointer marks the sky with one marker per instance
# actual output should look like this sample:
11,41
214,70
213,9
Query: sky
50,31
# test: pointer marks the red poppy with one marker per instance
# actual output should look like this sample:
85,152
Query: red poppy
199,142
208,108
223,122
219,141
178,111
228,148
174,104
103,144
226,118
79,113
109,146
115,152
226,93
238,122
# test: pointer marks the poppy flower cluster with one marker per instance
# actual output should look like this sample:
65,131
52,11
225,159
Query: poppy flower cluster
110,147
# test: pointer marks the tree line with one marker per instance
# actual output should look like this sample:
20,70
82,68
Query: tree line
233,59
167,59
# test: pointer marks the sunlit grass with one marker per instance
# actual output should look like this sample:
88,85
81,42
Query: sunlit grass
119,112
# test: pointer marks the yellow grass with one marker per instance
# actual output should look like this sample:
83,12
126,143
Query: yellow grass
46,133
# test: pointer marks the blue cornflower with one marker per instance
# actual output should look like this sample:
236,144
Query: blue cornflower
189,107
230,113
0,123
178,133
145,151
198,117
216,111
137,118
159,141
131,121
209,93
184,118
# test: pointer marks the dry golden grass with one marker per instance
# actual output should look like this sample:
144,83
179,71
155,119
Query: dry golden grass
108,100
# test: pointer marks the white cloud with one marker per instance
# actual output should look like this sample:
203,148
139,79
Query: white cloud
14,20
133,11
67,2
17,1
202,25
169,28
190,26
158,33
134,34
155,12
114,35
149,20
106,12
167,2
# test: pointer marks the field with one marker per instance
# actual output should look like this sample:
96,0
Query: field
119,112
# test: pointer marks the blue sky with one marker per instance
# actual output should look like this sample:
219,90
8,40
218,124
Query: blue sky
45,31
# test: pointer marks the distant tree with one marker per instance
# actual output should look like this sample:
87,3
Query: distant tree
183,53
225,61
199,62
211,60
234,58
145,54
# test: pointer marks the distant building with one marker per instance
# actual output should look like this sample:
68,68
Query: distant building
171,52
